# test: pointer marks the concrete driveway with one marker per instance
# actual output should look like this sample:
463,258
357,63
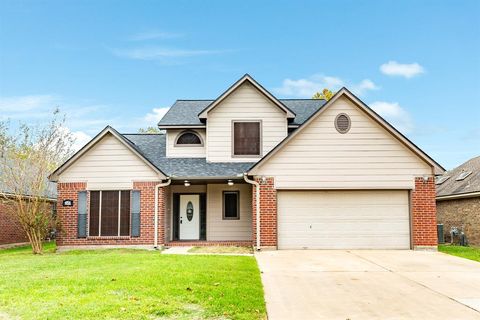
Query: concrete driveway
369,284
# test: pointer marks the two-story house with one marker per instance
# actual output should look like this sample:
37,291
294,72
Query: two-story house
250,169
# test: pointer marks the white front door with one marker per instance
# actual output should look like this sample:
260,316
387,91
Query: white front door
189,217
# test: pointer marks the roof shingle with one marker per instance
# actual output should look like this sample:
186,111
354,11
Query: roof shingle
468,185
185,112
153,146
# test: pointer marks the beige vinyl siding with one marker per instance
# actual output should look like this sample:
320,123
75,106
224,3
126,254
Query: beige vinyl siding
245,103
219,229
173,151
367,156
374,219
109,165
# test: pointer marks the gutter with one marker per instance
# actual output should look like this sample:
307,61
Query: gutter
459,196
157,187
257,207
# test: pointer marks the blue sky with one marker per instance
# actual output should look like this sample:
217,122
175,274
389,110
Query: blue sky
123,63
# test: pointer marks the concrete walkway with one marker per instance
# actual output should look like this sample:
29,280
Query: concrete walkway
365,284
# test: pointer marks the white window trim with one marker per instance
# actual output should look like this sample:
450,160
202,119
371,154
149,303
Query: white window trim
201,144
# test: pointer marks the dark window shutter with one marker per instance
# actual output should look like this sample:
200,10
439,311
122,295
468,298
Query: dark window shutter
135,213
82,214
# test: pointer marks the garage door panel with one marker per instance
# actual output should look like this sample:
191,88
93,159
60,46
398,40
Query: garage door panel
343,219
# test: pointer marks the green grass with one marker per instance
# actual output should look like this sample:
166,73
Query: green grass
128,284
472,253
222,249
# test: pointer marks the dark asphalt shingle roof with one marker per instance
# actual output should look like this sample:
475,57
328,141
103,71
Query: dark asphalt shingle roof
467,185
153,146
185,112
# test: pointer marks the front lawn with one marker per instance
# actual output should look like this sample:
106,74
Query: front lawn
128,284
222,249
472,253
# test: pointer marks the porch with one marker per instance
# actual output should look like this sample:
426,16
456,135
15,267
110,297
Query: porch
208,212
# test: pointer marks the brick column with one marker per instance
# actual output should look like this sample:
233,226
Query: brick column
268,213
424,216
68,216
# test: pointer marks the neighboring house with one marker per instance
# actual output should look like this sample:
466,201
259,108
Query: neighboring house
10,229
248,168
458,200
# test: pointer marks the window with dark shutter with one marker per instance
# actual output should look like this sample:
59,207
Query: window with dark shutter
231,209
246,138
109,213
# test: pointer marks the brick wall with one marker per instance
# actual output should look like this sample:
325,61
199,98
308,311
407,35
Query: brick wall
268,213
461,213
424,218
68,217
10,229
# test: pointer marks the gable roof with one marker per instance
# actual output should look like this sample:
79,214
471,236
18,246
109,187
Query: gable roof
184,113
469,186
97,138
242,80
372,114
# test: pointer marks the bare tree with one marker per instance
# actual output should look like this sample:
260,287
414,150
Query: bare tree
28,154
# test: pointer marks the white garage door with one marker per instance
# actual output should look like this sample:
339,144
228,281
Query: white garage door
343,220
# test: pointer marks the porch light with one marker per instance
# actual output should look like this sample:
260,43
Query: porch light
230,182
186,183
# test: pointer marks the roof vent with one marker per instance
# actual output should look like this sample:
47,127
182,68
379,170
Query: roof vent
463,175
441,179
342,123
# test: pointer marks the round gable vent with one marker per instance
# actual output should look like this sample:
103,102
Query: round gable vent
342,123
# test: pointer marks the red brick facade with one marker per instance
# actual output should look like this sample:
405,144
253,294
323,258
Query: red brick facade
424,215
69,215
268,213
10,229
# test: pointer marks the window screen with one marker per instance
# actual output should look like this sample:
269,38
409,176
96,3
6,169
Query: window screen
246,138
230,205
109,213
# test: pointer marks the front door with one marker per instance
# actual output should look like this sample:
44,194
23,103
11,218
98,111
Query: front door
189,217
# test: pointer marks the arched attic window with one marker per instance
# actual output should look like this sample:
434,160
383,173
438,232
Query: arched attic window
188,138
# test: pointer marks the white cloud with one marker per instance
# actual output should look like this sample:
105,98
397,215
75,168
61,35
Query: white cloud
26,103
394,114
393,68
154,34
364,86
307,87
81,139
155,115
161,53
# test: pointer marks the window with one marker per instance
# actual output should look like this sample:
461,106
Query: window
246,138
109,213
441,179
188,138
342,123
463,175
231,207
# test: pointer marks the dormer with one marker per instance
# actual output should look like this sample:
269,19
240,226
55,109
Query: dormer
244,123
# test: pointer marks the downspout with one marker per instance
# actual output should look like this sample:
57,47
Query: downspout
157,187
257,206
